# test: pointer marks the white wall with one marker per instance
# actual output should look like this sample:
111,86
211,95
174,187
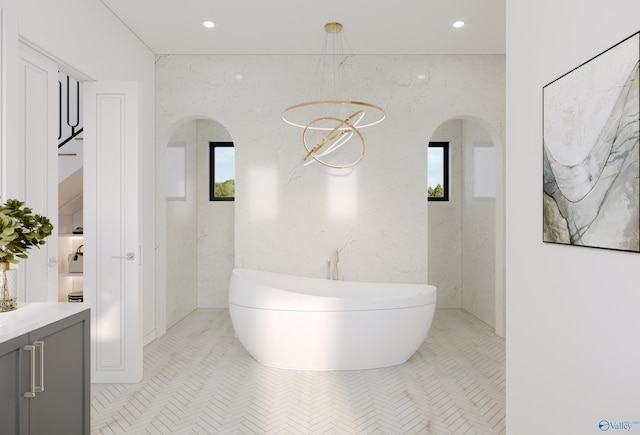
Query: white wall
88,41
215,226
445,224
292,219
199,232
478,233
181,270
573,324
462,243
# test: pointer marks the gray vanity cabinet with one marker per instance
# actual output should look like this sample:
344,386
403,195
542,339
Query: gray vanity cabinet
60,363
14,378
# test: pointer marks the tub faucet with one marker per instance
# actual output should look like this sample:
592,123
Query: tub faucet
336,273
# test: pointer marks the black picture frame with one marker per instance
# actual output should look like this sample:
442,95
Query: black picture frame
591,173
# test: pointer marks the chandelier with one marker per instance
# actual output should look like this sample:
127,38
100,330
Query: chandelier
330,121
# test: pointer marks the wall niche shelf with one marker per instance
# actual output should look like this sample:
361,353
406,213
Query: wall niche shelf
68,283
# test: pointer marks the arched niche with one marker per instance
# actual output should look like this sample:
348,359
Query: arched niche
195,236
466,233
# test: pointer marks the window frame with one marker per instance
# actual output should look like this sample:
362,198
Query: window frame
212,166
445,170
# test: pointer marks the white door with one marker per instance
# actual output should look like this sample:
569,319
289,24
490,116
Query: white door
112,250
37,135
9,173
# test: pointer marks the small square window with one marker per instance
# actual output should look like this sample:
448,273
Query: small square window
222,171
438,171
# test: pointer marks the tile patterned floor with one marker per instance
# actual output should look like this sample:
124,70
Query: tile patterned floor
198,379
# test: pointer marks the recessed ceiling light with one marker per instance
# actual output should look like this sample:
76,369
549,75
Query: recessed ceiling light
458,24
208,24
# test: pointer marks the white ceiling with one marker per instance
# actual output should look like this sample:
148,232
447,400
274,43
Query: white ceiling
296,26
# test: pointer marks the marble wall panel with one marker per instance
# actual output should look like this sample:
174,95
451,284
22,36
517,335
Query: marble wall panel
478,235
180,271
445,223
292,219
215,224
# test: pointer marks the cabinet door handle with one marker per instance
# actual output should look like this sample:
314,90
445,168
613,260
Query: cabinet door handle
31,394
40,388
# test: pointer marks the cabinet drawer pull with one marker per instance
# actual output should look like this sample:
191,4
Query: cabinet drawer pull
40,344
31,394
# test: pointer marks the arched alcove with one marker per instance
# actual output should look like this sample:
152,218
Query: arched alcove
466,233
195,235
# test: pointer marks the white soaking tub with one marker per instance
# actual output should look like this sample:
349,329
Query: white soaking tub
301,323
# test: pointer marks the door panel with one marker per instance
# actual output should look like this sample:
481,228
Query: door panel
38,133
111,242
11,155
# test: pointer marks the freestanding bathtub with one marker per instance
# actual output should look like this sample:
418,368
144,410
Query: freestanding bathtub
300,323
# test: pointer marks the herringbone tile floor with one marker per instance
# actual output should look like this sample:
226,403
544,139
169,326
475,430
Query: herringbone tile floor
198,379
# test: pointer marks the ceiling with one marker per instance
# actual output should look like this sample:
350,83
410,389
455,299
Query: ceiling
296,26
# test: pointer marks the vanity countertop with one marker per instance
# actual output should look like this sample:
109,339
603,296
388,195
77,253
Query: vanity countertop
33,315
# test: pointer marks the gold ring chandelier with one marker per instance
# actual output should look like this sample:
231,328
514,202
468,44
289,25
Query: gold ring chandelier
329,119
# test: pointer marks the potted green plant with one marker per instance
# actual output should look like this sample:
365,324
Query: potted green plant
20,230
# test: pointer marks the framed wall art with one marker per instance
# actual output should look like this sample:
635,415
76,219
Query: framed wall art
591,129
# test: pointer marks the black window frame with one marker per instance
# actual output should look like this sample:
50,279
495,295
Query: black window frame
445,171
212,166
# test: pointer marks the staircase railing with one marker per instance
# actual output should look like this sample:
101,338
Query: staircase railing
70,120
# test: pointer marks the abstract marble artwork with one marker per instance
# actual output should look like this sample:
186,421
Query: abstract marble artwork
591,128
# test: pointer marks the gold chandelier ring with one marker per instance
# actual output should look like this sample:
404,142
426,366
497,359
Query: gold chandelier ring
290,112
333,135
